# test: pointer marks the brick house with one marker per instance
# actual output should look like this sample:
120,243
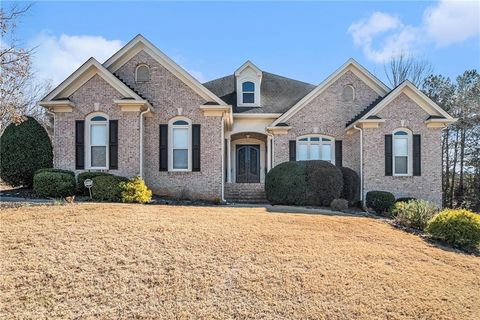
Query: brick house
139,113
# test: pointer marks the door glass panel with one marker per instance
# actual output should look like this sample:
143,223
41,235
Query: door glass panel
253,161
315,152
327,152
241,161
98,134
302,152
99,156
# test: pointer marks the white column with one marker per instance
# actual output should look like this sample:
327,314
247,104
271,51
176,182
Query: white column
229,159
269,153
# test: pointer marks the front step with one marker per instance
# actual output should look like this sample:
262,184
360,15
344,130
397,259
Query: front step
245,193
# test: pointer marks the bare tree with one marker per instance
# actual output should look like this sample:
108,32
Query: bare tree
406,67
19,90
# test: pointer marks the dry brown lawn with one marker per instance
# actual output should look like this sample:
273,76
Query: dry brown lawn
132,261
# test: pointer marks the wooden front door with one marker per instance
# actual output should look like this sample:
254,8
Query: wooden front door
248,163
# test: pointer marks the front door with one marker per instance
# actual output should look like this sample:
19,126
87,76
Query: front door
248,163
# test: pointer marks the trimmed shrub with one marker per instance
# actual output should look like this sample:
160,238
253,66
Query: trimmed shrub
285,184
107,188
54,184
323,181
135,190
339,204
81,190
380,201
458,227
24,148
414,213
351,185
56,171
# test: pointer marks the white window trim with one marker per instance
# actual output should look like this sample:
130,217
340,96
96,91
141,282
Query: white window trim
331,143
170,143
136,70
409,138
88,145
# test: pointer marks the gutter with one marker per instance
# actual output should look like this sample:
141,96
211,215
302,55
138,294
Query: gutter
141,140
361,162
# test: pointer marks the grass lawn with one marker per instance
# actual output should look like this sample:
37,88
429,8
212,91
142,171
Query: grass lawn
131,261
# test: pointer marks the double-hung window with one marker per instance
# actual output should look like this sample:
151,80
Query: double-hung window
97,152
401,152
315,148
181,151
248,92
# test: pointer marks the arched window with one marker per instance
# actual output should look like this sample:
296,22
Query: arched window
402,146
248,92
348,93
142,73
315,147
97,141
180,144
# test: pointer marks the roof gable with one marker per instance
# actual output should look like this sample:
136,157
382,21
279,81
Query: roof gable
84,73
140,43
410,91
350,65
248,65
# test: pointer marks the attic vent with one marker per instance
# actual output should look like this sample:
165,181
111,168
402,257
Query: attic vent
348,93
142,73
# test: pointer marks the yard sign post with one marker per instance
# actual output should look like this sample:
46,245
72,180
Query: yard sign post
88,183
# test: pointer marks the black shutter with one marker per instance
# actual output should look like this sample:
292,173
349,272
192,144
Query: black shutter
163,150
195,147
79,144
113,144
338,153
417,158
388,155
293,150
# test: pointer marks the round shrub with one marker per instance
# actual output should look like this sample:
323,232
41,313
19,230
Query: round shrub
285,184
414,213
380,201
324,182
81,190
351,185
54,184
24,148
107,188
339,204
135,190
458,227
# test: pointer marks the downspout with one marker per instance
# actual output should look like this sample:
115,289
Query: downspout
141,140
223,159
361,163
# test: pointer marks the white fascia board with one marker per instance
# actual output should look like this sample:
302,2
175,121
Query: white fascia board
141,43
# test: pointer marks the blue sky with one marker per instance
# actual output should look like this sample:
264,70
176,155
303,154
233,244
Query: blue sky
305,41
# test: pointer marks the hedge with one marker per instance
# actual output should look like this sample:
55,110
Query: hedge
24,148
81,190
56,171
54,184
304,183
351,186
380,201
108,188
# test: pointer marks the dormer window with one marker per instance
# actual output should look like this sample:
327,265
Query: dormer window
142,73
248,92
248,81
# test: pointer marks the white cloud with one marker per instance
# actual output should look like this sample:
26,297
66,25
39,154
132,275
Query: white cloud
383,36
57,57
452,21
395,37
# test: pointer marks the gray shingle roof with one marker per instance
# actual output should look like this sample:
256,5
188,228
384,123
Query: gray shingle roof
278,94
